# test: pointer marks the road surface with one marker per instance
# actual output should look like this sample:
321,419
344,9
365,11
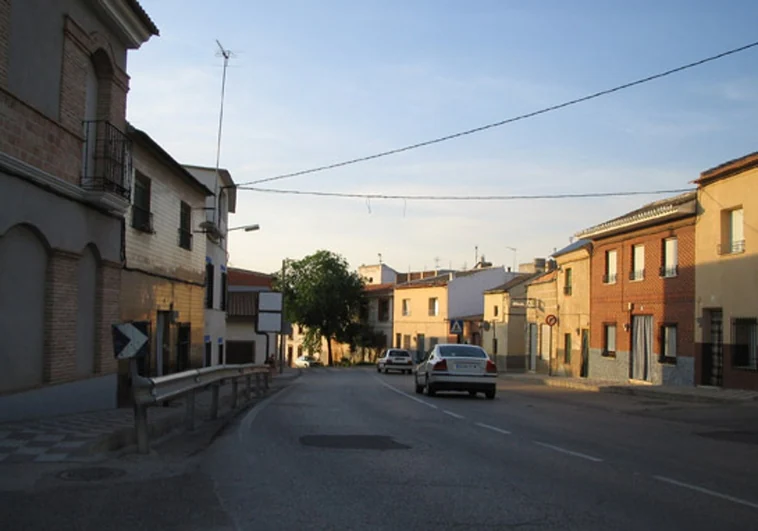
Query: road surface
352,449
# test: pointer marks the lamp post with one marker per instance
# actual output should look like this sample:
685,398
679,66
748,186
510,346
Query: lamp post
246,228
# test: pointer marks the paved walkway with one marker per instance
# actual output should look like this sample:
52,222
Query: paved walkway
688,394
81,437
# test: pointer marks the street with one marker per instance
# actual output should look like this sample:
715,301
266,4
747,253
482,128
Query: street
352,449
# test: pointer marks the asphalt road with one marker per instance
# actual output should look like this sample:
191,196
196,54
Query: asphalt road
351,449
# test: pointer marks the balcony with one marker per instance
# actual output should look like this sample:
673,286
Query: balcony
637,274
609,278
669,272
142,219
107,164
735,247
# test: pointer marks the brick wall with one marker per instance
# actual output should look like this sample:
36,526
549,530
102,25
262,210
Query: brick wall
668,300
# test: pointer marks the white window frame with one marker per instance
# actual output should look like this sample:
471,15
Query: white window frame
611,276
609,352
638,262
406,307
670,266
434,306
669,335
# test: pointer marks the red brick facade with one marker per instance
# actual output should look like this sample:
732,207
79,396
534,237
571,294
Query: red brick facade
667,300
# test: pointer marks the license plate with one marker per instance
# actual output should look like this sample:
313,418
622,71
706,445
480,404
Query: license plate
465,366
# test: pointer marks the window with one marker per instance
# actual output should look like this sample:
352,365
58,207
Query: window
494,345
732,232
142,219
567,348
290,352
407,342
610,267
300,329
208,353
668,343
209,274
434,306
462,351
609,340
495,310
638,263
568,280
185,224
224,290
746,344
406,307
670,265
384,310
398,340
299,350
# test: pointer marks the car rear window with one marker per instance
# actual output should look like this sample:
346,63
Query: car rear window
400,353
462,351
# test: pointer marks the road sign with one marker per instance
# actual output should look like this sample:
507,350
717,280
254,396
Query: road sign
551,320
130,340
456,326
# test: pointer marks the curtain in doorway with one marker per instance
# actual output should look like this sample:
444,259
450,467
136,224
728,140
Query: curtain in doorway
642,346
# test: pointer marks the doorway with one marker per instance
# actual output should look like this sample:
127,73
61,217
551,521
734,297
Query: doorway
183,344
532,347
713,350
585,369
163,344
642,347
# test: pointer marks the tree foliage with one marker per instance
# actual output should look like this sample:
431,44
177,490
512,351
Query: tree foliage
322,294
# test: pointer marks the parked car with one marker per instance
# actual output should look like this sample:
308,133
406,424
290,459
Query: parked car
308,361
455,367
395,359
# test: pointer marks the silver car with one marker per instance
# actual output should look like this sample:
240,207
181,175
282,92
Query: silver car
456,367
395,359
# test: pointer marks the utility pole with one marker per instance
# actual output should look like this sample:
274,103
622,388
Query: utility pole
282,340
226,54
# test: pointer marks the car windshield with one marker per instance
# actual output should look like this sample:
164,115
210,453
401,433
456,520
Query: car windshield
462,351
399,353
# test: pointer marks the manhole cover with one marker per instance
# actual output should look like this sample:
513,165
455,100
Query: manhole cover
91,474
748,437
353,442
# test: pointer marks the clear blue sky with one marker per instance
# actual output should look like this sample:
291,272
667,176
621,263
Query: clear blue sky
315,82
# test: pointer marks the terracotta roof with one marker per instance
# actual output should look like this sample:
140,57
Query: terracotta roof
663,209
728,168
241,304
143,16
372,288
245,277
439,280
544,278
512,283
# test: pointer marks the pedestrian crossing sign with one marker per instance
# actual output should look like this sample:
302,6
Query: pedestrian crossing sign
456,326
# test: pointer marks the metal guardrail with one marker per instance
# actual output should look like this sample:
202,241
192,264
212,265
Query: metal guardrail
151,391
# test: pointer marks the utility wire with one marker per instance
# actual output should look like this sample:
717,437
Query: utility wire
508,120
462,197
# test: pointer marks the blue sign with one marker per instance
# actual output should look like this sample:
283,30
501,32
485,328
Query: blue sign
456,326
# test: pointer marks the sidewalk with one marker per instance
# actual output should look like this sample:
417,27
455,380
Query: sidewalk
81,437
681,393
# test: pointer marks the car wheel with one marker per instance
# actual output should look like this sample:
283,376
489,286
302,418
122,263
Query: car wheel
419,388
490,394
430,391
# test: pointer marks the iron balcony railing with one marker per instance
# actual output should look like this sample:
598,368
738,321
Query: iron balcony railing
735,247
669,272
609,278
637,274
107,159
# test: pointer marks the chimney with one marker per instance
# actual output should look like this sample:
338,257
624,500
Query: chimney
551,265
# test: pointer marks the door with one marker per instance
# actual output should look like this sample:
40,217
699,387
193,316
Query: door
183,347
420,345
532,347
713,358
162,344
585,353
642,347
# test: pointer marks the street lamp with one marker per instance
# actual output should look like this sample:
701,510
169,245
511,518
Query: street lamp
246,228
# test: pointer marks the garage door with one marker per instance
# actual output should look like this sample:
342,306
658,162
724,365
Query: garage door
240,351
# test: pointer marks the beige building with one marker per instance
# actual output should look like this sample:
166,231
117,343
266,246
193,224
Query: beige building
572,332
726,275
541,302
163,280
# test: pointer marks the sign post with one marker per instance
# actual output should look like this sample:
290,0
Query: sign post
456,328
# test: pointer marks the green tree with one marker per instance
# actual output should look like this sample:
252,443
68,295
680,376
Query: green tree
322,294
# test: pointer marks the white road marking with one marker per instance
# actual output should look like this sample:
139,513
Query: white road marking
406,395
493,428
570,452
707,491
452,414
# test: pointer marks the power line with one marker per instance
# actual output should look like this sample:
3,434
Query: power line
508,120
462,197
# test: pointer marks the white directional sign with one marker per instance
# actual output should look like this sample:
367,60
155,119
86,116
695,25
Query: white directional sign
129,341
456,326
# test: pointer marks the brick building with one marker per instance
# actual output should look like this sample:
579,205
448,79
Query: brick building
642,294
163,279
65,172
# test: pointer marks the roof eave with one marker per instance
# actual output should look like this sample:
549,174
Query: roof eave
651,219
130,20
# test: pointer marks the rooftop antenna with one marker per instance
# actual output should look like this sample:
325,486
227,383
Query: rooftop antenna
476,255
380,258
436,262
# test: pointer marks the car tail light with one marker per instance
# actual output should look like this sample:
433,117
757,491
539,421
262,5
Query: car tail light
440,365
491,367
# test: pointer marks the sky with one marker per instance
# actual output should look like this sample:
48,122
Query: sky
317,82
